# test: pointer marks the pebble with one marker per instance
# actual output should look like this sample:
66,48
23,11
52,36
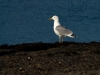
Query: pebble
29,58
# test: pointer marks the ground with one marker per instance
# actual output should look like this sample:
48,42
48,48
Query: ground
68,58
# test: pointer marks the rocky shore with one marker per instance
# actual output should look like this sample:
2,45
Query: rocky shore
68,58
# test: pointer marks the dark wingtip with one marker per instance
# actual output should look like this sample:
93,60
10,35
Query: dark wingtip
74,35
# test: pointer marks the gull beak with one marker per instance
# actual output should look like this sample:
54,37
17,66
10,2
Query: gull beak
50,19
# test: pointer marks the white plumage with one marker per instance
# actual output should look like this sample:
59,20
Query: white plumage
60,30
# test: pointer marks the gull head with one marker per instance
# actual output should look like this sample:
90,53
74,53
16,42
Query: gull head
54,18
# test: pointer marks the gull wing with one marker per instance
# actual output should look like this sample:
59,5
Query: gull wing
63,31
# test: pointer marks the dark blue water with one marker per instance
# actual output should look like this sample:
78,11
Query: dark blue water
26,21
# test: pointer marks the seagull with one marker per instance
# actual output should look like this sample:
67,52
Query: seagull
60,30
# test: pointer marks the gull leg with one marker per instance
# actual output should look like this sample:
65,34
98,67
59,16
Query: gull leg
62,39
59,39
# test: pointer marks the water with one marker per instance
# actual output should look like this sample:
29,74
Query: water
26,21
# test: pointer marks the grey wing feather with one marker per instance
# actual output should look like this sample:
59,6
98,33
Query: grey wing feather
63,31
